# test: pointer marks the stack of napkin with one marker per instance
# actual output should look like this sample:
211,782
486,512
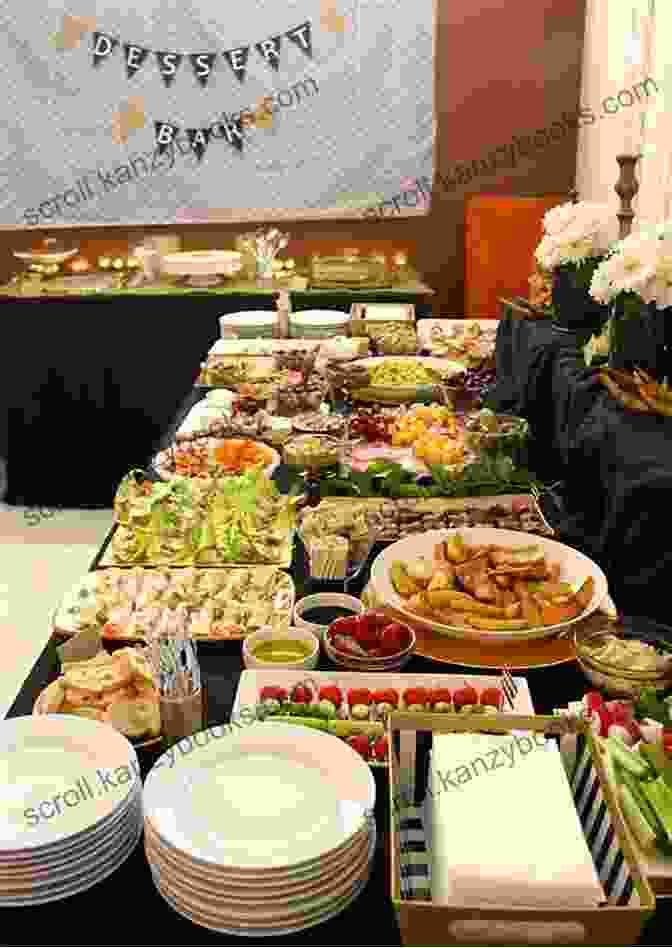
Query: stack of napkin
502,826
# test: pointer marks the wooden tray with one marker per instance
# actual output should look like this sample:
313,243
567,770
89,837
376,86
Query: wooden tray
63,634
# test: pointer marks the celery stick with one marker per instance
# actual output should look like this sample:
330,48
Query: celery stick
658,760
648,812
636,822
660,797
626,758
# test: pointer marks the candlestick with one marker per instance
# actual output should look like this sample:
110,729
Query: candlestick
626,187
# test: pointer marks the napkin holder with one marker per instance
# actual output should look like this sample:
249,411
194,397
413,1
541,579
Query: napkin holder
630,898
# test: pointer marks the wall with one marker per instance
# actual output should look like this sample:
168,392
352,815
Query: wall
646,127
503,69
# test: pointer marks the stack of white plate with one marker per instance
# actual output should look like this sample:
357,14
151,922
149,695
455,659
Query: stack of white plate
318,324
257,324
264,831
70,807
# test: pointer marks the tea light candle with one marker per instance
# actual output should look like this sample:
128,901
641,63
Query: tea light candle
118,263
104,263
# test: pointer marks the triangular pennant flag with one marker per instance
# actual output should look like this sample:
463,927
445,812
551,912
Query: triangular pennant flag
135,57
237,59
103,46
164,135
199,139
169,63
270,51
232,131
301,37
202,64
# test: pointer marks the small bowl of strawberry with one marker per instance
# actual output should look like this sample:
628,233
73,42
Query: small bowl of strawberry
370,642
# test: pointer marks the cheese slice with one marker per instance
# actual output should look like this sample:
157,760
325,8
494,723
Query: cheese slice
504,827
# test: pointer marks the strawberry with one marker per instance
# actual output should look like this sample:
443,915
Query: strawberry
393,638
465,696
441,699
621,712
367,630
380,749
331,693
274,693
359,696
386,696
301,694
360,743
593,700
346,625
416,699
493,697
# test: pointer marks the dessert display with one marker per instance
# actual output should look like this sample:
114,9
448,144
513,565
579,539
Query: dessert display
115,689
126,604
489,587
186,521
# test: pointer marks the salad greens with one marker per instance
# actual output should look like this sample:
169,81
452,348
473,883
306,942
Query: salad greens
490,476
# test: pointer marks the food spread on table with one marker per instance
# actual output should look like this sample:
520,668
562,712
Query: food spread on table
219,603
116,689
491,588
188,521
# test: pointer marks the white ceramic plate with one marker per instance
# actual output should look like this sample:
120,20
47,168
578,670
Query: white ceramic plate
162,460
319,317
575,568
263,317
267,798
38,257
202,262
208,920
45,756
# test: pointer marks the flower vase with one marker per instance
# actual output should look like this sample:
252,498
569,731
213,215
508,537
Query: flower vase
573,306
640,336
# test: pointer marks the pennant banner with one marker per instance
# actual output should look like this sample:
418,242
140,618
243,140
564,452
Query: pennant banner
231,131
202,63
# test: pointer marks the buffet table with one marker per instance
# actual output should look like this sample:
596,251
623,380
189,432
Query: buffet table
94,378
130,887
616,466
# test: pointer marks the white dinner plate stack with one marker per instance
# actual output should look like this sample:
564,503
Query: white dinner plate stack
264,831
318,324
70,807
256,324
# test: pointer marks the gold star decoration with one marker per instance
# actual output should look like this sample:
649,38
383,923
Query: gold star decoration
129,118
330,19
72,31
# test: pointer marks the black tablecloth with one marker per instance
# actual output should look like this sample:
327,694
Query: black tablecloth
616,466
88,386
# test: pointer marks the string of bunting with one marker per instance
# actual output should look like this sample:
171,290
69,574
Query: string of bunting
104,45
165,134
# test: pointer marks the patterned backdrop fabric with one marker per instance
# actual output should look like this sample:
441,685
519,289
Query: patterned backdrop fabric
299,105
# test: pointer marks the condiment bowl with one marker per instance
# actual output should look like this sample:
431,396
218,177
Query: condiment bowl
282,634
372,663
615,680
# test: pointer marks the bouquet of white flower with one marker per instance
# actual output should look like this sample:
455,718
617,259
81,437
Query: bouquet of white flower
574,233
640,264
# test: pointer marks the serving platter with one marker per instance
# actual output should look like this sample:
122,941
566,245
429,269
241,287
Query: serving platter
163,461
230,581
575,568
397,394
253,680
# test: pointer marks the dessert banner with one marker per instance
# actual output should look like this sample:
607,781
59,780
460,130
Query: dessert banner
146,113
